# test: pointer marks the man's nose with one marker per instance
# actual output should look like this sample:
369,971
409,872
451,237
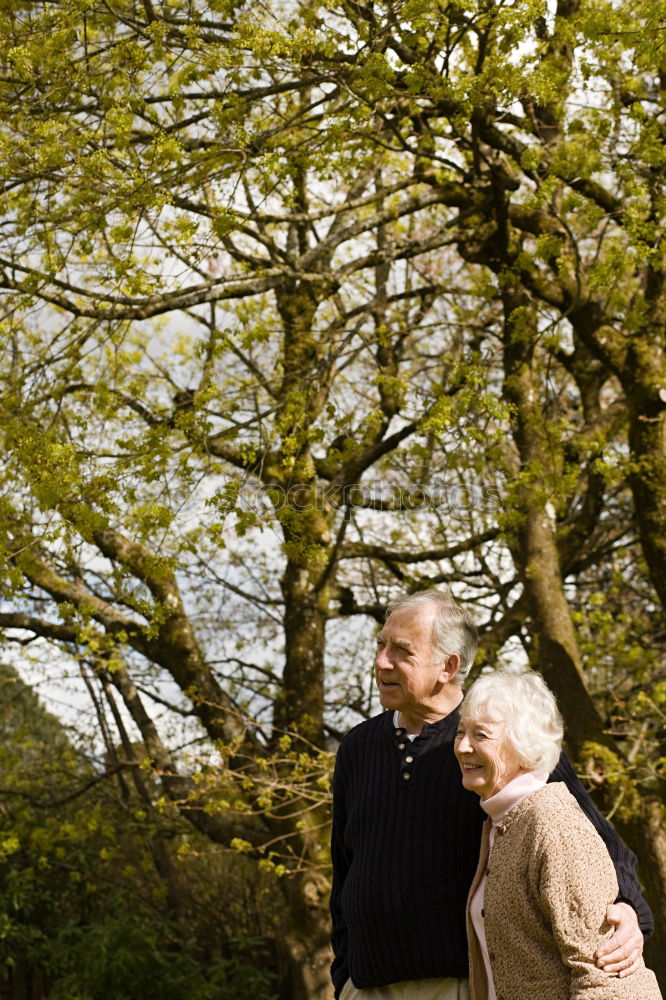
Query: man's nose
382,661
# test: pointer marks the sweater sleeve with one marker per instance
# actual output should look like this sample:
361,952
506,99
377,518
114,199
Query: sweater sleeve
624,860
341,860
576,884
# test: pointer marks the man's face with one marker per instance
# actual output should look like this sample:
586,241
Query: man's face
407,677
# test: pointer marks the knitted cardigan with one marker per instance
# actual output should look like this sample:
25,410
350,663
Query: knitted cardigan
405,847
549,881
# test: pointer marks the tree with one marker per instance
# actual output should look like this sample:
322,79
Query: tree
95,902
291,303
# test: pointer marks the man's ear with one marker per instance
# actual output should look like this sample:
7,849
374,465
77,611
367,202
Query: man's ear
450,668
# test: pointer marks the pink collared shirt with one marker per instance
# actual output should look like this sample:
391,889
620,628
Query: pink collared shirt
497,806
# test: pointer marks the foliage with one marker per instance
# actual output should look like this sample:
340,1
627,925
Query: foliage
81,902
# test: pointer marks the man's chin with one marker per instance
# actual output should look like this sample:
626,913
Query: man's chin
389,697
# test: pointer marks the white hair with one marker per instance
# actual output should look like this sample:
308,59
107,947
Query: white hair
453,630
527,707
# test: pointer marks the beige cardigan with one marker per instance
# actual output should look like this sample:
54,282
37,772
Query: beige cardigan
549,881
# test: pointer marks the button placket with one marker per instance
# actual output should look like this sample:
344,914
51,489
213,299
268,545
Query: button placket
407,756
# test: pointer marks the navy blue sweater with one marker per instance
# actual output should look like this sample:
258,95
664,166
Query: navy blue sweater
405,847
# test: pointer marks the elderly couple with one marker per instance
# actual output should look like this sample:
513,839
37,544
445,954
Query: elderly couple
539,902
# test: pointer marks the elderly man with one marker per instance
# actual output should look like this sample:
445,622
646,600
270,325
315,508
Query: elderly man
406,833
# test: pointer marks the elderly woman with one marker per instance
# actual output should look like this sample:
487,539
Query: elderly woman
537,905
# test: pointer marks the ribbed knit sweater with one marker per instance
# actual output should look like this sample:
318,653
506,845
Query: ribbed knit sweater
405,847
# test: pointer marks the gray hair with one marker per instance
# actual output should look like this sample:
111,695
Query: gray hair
527,707
453,630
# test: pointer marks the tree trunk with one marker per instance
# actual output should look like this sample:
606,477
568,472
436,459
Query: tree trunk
536,551
646,832
639,362
558,657
300,704
305,947
647,478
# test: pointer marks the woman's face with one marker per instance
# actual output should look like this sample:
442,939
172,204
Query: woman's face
487,759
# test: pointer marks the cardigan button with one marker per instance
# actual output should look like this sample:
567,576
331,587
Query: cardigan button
401,746
406,776
409,760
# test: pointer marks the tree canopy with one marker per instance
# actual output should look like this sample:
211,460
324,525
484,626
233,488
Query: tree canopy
307,305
